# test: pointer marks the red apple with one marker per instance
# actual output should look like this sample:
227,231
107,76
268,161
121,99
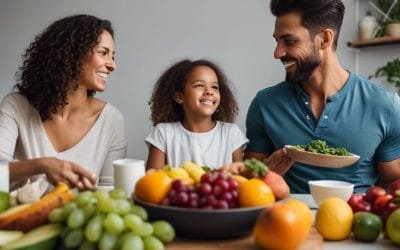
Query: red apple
393,187
373,193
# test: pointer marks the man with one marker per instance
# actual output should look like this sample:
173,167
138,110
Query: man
321,100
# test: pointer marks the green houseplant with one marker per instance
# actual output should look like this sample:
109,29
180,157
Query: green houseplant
392,26
391,71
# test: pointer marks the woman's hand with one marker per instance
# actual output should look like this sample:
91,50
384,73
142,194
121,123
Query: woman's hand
68,172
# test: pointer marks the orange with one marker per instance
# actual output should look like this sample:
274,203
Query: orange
279,226
239,179
153,187
254,192
302,210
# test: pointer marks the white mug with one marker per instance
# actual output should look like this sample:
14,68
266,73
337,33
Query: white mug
126,173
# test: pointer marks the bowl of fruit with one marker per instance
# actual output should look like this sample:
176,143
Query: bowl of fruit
208,209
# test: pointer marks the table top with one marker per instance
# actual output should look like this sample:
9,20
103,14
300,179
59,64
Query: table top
313,242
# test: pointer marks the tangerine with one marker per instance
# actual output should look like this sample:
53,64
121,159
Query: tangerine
280,226
153,187
254,192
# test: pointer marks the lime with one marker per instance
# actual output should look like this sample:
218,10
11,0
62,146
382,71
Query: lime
4,201
366,226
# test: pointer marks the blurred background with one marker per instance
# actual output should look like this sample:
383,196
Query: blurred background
150,35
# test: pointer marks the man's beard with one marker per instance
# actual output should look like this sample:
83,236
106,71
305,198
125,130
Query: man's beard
304,68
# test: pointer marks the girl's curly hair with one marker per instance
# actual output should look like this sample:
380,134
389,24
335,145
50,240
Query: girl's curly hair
53,61
162,102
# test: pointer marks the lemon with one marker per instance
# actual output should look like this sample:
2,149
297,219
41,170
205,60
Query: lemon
177,173
334,219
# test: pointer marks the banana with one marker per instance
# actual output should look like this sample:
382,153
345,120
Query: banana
194,170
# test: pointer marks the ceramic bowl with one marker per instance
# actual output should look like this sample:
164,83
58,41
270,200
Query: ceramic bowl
321,160
205,223
324,189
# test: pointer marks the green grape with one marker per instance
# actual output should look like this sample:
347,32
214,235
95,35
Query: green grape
133,222
118,194
113,223
138,210
101,194
65,232
74,238
94,229
57,215
145,230
152,243
163,231
87,245
107,205
89,210
123,206
131,241
108,241
68,208
83,198
76,218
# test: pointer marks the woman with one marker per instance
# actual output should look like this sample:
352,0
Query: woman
53,124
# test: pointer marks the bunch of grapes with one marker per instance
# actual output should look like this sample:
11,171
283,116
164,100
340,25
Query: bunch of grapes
109,220
216,190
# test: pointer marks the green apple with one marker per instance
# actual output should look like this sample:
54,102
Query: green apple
393,226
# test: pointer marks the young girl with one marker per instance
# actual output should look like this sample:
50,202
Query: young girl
192,111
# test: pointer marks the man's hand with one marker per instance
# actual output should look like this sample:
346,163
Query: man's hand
278,161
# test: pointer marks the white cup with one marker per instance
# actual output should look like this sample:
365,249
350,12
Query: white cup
126,173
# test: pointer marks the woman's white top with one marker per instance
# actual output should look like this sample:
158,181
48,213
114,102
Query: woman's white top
212,148
22,136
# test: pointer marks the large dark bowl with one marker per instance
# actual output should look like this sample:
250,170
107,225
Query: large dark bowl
205,223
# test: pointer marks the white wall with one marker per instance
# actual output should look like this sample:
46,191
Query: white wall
151,34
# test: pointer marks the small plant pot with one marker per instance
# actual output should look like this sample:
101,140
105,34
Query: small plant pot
393,29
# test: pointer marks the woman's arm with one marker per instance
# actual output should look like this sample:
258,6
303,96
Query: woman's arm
56,171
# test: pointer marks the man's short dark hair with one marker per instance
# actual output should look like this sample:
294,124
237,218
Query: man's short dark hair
316,15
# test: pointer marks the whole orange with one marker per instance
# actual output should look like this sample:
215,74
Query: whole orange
239,179
254,192
279,226
153,187
302,210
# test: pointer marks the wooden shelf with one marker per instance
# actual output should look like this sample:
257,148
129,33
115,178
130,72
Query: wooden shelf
374,42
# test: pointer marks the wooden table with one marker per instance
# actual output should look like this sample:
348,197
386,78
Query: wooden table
313,242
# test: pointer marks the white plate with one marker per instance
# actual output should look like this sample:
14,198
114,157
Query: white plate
321,160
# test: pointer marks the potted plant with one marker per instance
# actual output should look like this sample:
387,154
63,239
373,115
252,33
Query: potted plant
391,70
392,26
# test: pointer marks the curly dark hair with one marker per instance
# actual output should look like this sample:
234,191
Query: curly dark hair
316,15
162,102
54,60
